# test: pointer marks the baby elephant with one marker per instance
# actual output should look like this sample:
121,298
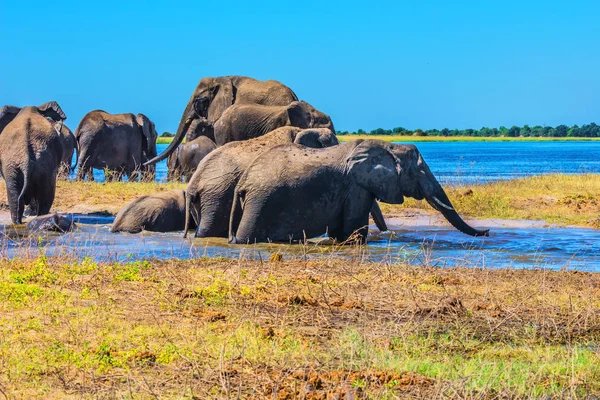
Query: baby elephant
51,223
158,212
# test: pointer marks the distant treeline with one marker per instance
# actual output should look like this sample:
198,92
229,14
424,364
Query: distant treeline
590,130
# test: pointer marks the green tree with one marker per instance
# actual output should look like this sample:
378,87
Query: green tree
514,131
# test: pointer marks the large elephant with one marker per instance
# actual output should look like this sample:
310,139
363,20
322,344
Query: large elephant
116,143
30,154
214,95
331,191
247,121
158,212
69,145
199,141
210,192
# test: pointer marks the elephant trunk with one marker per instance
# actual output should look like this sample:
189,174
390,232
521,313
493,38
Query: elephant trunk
437,198
177,139
186,227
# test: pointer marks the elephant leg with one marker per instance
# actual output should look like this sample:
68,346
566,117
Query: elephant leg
45,196
355,223
245,221
16,205
206,224
32,208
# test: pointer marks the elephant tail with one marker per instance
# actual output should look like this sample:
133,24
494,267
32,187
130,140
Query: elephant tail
21,198
76,148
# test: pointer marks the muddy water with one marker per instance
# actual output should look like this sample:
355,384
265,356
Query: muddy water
516,244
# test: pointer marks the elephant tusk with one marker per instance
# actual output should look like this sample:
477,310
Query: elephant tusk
442,204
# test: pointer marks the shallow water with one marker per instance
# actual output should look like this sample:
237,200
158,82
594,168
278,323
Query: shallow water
475,162
522,247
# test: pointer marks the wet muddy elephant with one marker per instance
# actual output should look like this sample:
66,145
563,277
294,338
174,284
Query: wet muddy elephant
331,191
30,155
210,192
119,144
158,212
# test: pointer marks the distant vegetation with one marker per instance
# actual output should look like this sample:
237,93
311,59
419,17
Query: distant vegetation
590,130
167,134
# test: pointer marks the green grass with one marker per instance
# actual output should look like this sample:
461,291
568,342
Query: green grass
164,140
210,328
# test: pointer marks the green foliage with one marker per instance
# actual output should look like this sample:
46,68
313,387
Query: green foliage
589,130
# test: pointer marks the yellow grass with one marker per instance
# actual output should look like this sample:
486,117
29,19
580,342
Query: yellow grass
556,198
292,329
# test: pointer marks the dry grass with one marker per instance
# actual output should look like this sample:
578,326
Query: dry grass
87,197
291,329
556,198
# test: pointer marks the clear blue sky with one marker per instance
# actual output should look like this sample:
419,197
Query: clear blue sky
416,64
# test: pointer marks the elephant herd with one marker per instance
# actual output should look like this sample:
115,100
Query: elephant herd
260,165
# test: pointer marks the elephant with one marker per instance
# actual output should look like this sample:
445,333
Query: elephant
7,114
30,154
199,141
210,191
158,212
117,143
331,191
51,223
246,121
69,145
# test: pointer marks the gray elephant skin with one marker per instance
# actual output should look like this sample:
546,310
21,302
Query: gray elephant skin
247,121
51,223
69,146
158,212
119,144
199,141
30,154
215,95
210,191
331,191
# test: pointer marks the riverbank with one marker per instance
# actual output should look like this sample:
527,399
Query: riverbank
209,328
401,138
554,199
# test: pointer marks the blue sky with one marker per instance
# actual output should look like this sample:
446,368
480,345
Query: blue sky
416,64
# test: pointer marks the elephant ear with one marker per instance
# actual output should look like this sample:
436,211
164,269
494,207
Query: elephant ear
7,114
376,169
52,111
298,115
316,138
149,132
222,95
